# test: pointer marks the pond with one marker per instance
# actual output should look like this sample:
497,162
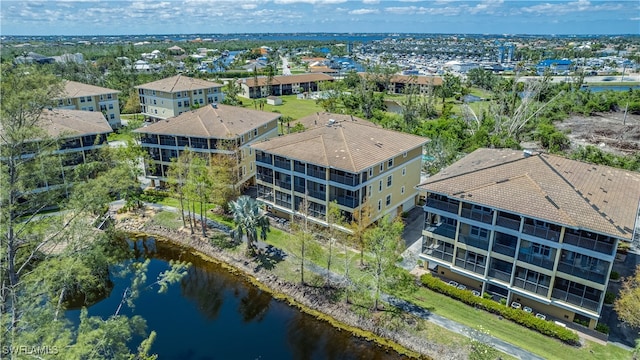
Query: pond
213,314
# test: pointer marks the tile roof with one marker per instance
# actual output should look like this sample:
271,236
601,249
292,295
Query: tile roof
178,83
346,145
546,187
67,123
420,80
322,119
74,89
286,79
221,122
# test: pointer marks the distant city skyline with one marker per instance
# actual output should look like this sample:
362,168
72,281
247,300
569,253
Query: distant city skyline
125,17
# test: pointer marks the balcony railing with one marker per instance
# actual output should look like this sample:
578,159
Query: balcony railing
283,184
348,201
316,173
473,241
317,194
342,179
574,299
265,159
299,188
591,244
531,287
436,253
486,218
540,261
541,232
582,273
504,249
476,268
283,164
500,275
265,178
443,205
446,230
508,223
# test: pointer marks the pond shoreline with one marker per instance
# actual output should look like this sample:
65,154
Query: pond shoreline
308,299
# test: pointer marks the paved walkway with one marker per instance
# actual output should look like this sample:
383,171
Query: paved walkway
409,258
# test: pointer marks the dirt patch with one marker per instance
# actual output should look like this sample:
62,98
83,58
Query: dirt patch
610,132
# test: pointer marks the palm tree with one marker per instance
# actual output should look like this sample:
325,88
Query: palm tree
249,220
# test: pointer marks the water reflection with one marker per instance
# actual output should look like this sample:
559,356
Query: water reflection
213,314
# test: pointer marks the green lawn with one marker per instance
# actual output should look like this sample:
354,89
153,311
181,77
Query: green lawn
291,106
509,331
169,201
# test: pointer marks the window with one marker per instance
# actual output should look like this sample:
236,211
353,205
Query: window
370,172
112,116
255,132
90,108
388,199
82,99
154,101
404,155
200,91
390,164
155,111
382,167
479,232
101,97
110,106
179,104
186,103
380,186
369,190
404,171
389,179
379,205
402,190
201,101
109,96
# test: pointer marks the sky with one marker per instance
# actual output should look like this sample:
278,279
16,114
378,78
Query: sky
123,17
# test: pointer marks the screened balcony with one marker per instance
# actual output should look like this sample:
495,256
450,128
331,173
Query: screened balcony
437,249
587,240
577,294
505,244
508,220
443,203
478,213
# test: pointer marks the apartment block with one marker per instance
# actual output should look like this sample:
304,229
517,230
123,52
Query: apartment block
537,230
175,95
212,129
339,158
262,86
79,96
79,134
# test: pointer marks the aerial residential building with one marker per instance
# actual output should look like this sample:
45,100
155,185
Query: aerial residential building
79,134
86,97
175,95
262,86
424,84
555,66
539,231
348,160
211,129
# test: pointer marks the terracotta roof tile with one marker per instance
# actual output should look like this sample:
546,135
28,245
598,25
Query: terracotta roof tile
178,83
547,187
221,122
346,145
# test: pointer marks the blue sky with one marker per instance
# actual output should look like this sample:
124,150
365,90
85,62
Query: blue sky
109,17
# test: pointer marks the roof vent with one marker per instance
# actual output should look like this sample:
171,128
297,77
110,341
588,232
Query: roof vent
527,153
331,122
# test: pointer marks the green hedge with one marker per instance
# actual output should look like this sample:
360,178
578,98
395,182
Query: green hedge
523,318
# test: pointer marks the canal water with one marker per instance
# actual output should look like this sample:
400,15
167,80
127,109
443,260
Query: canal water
212,314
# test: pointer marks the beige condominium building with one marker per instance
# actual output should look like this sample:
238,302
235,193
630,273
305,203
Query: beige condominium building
79,134
79,96
262,86
539,231
211,129
175,95
339,158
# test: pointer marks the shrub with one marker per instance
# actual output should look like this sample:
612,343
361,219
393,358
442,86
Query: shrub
603,328
615,275
609,297
518,316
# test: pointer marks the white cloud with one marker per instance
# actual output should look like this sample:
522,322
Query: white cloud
312,2
370,2
364,11
570,7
